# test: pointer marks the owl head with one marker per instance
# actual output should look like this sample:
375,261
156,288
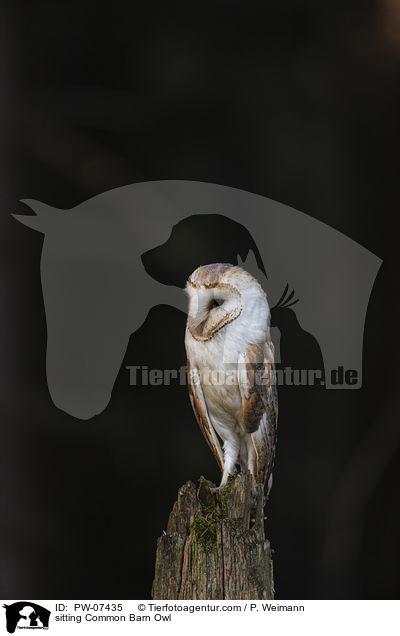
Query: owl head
218,294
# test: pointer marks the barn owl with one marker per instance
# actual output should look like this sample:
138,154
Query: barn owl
231,374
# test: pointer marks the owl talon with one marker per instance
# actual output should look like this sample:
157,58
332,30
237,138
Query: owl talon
216,491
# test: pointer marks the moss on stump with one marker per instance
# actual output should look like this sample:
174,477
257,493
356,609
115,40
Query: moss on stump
215,549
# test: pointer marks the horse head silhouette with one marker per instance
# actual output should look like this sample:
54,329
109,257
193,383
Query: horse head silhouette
97,291
31,613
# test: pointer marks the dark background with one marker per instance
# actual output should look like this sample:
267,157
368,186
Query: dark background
297,101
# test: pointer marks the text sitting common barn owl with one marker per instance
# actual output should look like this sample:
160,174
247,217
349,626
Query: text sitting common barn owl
231,369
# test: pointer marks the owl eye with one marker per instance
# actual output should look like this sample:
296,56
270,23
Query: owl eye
218,302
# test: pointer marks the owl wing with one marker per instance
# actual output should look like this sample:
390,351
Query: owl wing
200,410
257,384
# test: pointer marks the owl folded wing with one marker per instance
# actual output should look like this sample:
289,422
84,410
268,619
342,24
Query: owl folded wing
257,385
200,410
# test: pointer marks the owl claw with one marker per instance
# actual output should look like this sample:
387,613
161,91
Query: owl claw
216,491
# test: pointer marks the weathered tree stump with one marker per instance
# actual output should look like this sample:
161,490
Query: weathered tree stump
215,549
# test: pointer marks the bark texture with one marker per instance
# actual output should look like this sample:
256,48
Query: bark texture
215,549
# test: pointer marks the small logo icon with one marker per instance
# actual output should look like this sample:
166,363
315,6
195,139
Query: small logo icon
26,615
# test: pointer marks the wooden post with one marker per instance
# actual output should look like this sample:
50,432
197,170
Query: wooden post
215,549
